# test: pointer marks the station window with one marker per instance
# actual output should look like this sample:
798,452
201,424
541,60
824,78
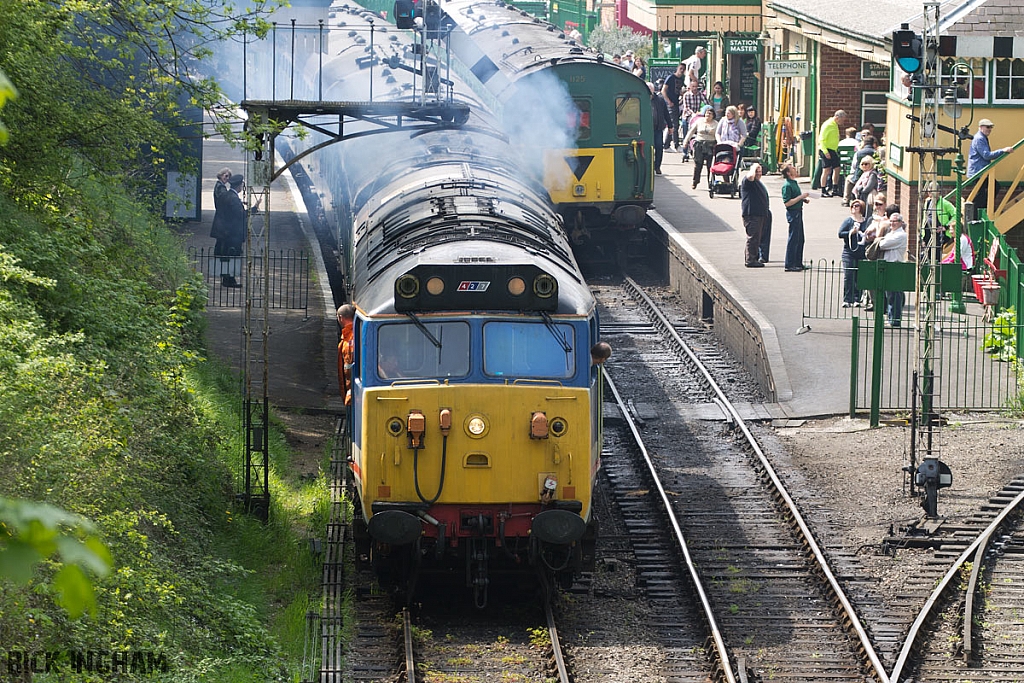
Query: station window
517,349
873,108
1009,81
582,122
627,116
407,351
960,78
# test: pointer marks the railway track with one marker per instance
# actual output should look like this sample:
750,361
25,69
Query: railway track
770,602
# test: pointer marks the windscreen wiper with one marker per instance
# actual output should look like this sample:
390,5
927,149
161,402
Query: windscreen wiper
550,324
423,328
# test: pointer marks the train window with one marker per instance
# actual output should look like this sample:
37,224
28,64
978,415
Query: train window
516,349
407,351
627,116
582,122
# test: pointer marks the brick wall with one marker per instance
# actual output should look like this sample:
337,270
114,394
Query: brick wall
840,85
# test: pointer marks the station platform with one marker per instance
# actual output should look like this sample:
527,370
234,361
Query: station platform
757,312
805,371
302,349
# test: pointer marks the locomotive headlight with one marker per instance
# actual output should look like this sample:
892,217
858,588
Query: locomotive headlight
558,426
476,426
516,286
544,286
435,286
395,426
407,286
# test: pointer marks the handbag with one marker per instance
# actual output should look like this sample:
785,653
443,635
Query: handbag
873,251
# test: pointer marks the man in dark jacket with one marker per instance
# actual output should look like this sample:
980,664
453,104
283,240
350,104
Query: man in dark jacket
754,207
662,120
231,235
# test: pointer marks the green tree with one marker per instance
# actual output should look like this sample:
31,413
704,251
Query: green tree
617,40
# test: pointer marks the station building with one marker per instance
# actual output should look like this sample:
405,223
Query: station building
824,56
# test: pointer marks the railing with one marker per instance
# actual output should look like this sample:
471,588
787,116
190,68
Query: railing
289,278
969,375
1010,210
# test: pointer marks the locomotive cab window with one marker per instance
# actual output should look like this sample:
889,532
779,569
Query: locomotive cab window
535,349
627,116
582,122
433,350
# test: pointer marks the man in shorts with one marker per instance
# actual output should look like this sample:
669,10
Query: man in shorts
828,154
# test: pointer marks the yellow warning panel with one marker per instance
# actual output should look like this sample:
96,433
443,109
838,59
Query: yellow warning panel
580,175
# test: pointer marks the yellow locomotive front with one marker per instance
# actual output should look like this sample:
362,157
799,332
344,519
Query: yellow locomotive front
476,441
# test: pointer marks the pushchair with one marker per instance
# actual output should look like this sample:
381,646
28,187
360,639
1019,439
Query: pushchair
724,174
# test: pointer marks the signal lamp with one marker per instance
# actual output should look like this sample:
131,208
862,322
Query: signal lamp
516,286
544,286
407,286
435,285
559,426
907,49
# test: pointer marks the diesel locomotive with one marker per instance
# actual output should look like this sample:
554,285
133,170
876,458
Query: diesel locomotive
599,171
475,418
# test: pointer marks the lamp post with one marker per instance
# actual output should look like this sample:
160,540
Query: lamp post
951,107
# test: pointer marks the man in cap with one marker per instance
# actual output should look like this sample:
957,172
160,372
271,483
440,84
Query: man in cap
981,155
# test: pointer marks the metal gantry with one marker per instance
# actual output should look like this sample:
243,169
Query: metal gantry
925,437
431,105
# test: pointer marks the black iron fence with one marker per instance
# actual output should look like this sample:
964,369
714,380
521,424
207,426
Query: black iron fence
973,367
289,278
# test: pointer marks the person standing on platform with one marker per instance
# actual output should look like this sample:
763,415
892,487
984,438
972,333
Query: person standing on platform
232,233
662,120
731,129
719,100
346,351
853,251
980,156
703,133
693,99
670,91
892,240
754,208
794,200
753,122
692,65
220,188
828,154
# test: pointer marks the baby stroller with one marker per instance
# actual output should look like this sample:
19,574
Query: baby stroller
724,174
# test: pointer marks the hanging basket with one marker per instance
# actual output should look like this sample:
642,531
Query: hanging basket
989,295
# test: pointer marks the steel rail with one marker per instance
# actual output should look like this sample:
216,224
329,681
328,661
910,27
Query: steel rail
410,659
716,632
556,644
915,630
798,519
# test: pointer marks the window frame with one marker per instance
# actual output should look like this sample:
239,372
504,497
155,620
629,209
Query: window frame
881,107
377,359
619,110
1011,77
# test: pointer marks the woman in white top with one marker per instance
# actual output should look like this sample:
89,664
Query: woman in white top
703,133
731,129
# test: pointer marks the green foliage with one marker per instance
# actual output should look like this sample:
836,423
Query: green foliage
7,92
1002,340
32,532
618,40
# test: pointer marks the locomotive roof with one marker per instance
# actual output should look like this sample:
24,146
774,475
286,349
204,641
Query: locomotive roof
516,41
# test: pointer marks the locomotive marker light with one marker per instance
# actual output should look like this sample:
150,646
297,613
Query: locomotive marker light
476,426
435,286
559,426
516,286
538,426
